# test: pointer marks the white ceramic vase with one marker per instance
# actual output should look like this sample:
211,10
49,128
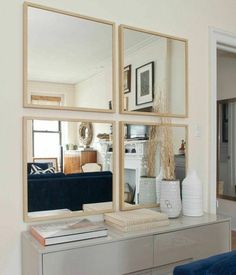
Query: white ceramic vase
170,201
158,186
192,195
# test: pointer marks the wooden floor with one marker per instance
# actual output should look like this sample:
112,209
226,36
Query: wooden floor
233,237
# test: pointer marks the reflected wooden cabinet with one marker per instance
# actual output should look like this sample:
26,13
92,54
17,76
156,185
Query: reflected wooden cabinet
74,159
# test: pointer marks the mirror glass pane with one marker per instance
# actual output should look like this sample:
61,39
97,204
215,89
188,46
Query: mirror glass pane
69,61
67,171
143,159
154,78
226,187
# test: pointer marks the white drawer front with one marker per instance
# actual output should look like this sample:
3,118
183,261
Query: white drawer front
113,258
144,272
194,243
168,269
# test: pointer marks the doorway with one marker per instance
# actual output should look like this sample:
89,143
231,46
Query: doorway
226,146
226,132
218,40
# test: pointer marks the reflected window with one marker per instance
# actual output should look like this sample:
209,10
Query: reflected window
46,139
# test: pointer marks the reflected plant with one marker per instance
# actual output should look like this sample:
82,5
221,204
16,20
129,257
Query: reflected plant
162,137
167,152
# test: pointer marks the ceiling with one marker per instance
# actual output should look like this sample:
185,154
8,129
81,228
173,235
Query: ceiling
66,49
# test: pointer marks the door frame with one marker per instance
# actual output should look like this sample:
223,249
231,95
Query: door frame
218,39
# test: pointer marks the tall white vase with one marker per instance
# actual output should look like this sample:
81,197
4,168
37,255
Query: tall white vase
158,185
170,201
192,195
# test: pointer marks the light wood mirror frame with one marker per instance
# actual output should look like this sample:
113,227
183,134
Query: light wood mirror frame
111,104
71,214
122,100
123,205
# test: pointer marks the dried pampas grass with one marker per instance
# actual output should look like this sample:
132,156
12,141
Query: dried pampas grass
167,152
161,135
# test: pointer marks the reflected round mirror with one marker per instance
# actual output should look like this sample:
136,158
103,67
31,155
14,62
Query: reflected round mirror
153,73
61,176
68,60
143,160
86,133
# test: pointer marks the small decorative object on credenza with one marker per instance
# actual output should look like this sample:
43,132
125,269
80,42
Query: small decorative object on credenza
192,195
139,219
63,232
145,83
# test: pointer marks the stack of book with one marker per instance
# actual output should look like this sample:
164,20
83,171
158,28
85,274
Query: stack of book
62,232
140,219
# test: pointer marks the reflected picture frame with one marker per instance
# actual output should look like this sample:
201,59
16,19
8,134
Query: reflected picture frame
126,105
127,79
53,161
144,92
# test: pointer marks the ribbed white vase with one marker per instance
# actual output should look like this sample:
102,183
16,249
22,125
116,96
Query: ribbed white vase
158,186
192,195
170,201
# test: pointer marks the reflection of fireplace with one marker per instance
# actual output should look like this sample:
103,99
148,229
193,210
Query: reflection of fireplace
135,164
132,179
130,175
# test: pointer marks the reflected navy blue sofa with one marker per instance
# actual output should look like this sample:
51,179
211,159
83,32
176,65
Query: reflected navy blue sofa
222,264
71,191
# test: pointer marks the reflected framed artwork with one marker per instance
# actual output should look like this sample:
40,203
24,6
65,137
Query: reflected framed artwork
127,79
52,161
144,83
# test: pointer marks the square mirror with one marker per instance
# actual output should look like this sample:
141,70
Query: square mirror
143,160
68,168
153,73
68,60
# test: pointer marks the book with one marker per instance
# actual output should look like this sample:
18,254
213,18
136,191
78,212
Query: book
141,226
61,232
132,217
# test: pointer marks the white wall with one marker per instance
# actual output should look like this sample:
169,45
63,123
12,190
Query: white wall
185,18
177,79
141,56
169,71
96,91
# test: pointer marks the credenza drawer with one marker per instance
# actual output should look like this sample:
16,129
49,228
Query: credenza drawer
156,253
112,258
188,244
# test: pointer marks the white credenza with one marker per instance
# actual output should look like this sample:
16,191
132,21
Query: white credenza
143,252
